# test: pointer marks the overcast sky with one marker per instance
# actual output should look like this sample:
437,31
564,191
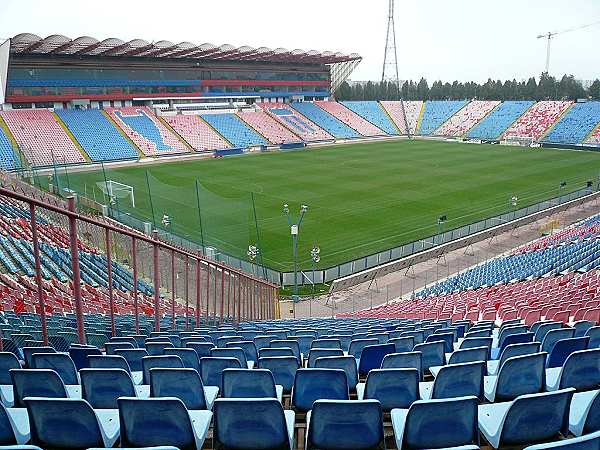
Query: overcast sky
437,39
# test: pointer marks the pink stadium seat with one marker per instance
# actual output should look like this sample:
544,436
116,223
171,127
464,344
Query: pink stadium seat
594,137
40,137
412,109
350,118
196,132
466,118
537,120
266,125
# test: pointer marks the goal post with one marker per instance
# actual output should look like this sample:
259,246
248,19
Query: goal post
116,190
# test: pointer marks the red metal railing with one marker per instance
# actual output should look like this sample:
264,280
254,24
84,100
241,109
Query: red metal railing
236,295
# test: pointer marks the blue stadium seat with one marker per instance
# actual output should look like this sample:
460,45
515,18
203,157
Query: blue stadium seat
555,335
283,369
70,423
97,134
528,419
202,348
8,158
268,352
29,351
456,380
162,362
288,343
250,383
432,354
403,345
168,420
36,383
102,387
7,434
588,442
322,353
80,356
156,348
61,363
563,348
584,415
232,128
581,370
318,384
184,384
247,424
358,345
345,363
231,352
112,347
188,356
248,347
404,360
510,351
350,424
372,357
518,375
436,424
211,369
394,388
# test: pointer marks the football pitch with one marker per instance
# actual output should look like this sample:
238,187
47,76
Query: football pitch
362,198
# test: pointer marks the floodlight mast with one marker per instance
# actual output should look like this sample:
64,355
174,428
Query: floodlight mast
549,35
390,61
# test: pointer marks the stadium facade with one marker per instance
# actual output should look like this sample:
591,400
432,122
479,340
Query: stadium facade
59,72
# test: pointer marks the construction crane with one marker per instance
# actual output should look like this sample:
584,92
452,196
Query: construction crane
551,34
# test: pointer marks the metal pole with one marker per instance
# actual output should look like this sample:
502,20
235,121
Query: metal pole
135,284
156,282
111,298
222,293
239,299
38,273
207,291
198,291
173,290
76,271
228,293
187,292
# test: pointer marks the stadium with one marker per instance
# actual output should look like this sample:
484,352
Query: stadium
241,247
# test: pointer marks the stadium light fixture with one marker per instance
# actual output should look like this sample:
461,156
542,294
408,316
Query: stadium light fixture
294,230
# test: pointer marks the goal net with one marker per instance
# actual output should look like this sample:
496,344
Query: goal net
115,190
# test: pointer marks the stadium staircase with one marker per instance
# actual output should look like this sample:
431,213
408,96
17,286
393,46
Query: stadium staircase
72,137
420,119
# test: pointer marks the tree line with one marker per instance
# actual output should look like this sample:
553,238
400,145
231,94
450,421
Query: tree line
547,88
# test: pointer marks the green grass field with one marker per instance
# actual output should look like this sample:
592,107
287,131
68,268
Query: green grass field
362,198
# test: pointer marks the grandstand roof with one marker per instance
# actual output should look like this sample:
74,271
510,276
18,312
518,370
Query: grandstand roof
56,44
